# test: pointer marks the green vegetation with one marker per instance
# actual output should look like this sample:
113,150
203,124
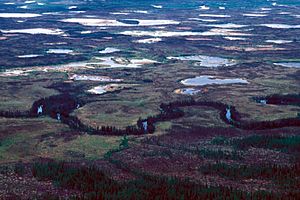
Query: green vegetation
23,96
219,140
220,154
276,142
19,168
124,142
119,114
284,176
28,138
7,143
182,140
88,147
94,184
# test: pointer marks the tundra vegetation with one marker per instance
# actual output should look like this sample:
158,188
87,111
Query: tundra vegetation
149,99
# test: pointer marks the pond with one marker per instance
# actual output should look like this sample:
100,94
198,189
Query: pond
211,80
206,61
60,51
35,31
187,91
29,56
228,114
109,88
97,90
119,62
78,77
289,64
109,50
19,15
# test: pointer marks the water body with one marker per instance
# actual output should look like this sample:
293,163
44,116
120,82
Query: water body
211,80
29,56
131,21
191,4
289,64
228,114
77,77
35,31
109,50
187,91
108,88
60,51
97,90
19,15
145,125
206,61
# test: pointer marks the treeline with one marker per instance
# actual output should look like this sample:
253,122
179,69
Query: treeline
219,154
283,143
235,116
94,184
60,107
276,99
262,125
62,104
284,176
14,114
74,123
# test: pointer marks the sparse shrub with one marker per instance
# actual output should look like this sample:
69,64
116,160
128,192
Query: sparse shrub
285,176
94,184
19,169
124,143
220,140
219,154
277,142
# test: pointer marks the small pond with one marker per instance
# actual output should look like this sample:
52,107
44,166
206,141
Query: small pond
211,80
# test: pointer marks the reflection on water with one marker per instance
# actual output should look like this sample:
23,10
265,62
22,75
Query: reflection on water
206,61
228,114
211,80
187,91
290,64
